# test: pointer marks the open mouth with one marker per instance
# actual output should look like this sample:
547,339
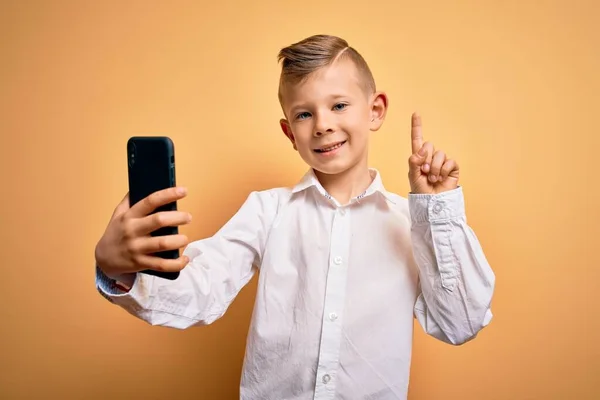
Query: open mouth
330,148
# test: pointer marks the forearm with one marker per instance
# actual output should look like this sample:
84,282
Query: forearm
144,300
200,295
219,267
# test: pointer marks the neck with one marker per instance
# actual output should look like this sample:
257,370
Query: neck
348,184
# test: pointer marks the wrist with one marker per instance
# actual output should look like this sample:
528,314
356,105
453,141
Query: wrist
102,264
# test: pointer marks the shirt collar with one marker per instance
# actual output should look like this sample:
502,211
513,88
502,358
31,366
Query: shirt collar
310,180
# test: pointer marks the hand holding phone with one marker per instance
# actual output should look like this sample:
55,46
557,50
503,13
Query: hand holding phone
127,245
142,235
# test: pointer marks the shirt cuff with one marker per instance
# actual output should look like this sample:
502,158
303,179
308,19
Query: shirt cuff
114,287
436,207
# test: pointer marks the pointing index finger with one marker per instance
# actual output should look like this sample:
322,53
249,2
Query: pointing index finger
415,133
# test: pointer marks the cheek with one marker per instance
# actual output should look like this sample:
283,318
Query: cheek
302,136
357,127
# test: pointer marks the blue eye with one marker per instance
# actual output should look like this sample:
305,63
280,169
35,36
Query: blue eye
303,115
339,106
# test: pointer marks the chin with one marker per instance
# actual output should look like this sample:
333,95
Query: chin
335,167
329,170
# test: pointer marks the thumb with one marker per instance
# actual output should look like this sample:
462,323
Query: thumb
415,162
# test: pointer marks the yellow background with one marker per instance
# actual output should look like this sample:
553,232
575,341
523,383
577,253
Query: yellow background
509,89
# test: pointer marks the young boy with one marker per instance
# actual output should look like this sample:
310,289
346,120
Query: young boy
345,265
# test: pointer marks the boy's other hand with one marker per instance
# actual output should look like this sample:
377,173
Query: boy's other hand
430,172
126,244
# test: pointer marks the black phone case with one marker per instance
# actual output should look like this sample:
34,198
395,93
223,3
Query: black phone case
151,167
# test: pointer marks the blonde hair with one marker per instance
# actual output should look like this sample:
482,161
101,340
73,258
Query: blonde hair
301,59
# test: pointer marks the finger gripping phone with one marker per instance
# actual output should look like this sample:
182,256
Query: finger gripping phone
151,167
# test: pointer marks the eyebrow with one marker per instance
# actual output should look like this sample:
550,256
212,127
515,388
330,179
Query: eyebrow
297,106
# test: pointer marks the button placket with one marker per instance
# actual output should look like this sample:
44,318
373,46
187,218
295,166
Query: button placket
331,331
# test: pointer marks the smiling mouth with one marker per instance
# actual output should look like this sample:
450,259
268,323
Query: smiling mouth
330,148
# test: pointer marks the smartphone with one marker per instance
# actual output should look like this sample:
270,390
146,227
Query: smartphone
151,167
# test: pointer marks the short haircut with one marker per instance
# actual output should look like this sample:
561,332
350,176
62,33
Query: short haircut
301,59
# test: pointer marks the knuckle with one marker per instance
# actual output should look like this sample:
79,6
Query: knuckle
121,219
163,243
159,219
131,247
150,200
447,168
128,230
154,200
148,204
160,265
137,259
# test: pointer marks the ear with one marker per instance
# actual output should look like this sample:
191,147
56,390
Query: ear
379,106
287,130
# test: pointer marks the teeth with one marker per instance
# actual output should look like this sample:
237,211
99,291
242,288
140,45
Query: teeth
330,148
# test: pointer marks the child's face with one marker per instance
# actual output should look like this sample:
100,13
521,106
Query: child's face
330,116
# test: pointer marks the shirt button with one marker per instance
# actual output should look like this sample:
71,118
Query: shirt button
437,208
326,378
337,260
333,316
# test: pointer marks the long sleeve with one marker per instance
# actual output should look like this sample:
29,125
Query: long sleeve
456,281
219,268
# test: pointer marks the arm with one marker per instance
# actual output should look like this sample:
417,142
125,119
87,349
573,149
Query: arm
220,266
456,280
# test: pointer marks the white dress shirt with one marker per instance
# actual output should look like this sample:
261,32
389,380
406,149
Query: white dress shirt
338,287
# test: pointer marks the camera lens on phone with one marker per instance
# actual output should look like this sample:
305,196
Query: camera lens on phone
131,150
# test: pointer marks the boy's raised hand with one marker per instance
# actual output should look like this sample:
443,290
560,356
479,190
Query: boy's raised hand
126,244
430,172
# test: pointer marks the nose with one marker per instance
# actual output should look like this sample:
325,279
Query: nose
323,125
